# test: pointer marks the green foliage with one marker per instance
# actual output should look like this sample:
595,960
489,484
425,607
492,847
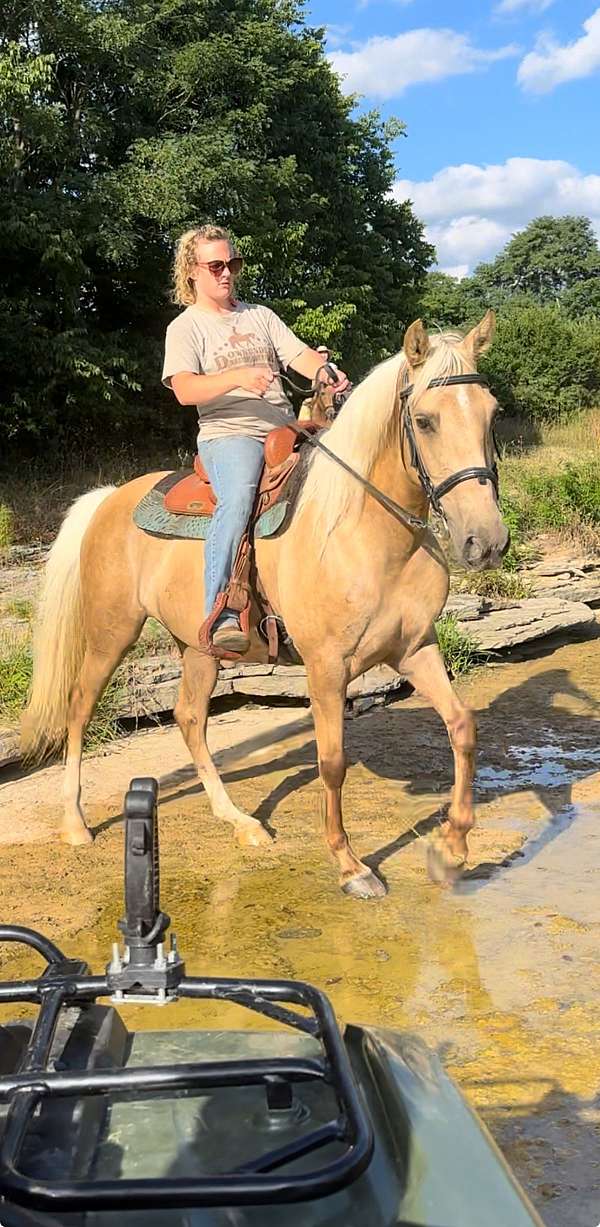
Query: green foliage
542,499
19,607
125,124
16,666
544,365
6,527
15,679
446,302
547,258
459,650
505,585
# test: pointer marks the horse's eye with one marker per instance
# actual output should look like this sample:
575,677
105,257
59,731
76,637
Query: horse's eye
424,424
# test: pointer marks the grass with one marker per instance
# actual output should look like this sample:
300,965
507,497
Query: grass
565,501
19,607
554,486
460,651
504,585
16,664
6,528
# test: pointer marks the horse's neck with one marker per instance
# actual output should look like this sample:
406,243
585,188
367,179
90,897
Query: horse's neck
390,476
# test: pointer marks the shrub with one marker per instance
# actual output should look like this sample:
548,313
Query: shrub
543,364
540,499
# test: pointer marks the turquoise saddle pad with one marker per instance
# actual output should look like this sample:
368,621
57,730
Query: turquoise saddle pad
152,516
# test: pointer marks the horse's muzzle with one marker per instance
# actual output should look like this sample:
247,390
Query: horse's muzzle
480,553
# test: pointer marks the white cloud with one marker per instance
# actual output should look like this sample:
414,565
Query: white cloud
365,4
550,64
337,34
521,6
471,211
455,270
384,67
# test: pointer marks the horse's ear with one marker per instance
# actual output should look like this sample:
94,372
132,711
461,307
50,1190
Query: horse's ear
479,339
416,343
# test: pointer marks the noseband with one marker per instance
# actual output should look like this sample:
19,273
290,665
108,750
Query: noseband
436,493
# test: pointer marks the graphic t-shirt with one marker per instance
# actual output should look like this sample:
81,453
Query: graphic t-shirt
207,342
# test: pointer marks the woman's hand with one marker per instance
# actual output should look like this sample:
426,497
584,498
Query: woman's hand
255,379
340,383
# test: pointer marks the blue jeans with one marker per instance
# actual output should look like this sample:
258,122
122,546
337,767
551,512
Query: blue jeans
234,464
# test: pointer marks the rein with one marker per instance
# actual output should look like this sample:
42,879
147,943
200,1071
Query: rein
433,493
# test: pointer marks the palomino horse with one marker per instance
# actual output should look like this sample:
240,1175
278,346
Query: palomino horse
354,584
320,408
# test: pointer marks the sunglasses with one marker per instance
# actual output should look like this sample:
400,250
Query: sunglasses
216,267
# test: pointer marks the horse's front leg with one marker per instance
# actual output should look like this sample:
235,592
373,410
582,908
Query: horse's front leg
327,685
426,671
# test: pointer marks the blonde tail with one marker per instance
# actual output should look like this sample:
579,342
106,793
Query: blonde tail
59,640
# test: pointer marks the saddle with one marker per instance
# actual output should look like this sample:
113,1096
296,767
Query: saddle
194,495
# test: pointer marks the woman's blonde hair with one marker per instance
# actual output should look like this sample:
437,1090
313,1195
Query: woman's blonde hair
186,256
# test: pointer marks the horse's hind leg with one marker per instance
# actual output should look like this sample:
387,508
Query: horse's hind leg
191,713
427,673
327,685
96,671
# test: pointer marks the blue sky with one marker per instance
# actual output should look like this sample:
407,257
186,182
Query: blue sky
501,99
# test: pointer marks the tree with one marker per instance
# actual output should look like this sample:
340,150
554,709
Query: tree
446,302
129,121
543,365
542,262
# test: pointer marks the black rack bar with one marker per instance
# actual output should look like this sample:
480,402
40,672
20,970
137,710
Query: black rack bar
145,973
207,1076
331,1132
30,937
257,1183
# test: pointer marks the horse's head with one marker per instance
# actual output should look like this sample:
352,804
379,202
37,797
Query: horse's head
325,405
447,432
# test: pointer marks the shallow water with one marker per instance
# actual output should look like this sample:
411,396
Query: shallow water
501,973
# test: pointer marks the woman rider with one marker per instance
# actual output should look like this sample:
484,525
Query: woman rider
224,356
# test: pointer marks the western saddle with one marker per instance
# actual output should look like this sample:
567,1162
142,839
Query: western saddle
194,496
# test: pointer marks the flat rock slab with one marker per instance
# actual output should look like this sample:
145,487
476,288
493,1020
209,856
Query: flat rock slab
9,747
570,578
152,684
498,625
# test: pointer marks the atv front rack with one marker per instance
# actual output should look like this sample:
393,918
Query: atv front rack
144,972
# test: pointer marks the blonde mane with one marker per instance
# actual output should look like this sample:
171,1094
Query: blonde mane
362,430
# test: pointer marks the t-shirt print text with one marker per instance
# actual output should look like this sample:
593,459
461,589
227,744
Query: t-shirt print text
244,349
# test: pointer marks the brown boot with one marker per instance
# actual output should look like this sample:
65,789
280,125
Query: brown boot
230,637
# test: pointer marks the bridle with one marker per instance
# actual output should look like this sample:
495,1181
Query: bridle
433,493
480,473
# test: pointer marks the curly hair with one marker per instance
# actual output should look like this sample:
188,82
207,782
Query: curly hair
185,257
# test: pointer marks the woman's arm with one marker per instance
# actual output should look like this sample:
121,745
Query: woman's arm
191,389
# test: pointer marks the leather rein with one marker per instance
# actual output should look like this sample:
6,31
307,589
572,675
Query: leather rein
434,493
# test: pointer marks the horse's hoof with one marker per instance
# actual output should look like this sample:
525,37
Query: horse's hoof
443,865
365,886
78,837
253,836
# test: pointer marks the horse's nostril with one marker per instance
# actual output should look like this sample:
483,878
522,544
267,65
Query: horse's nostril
475,551
472,548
